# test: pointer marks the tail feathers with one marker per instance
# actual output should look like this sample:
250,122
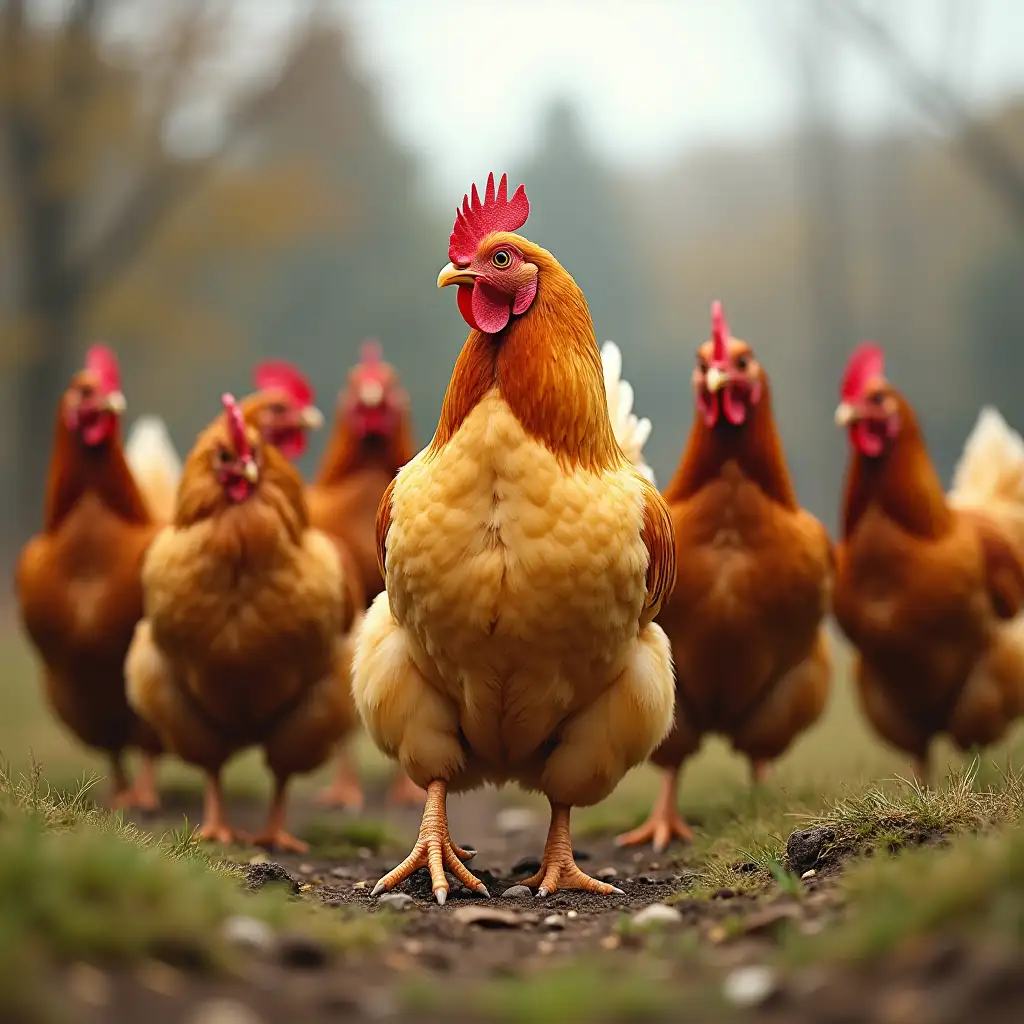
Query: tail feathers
155,464
990,474
631,433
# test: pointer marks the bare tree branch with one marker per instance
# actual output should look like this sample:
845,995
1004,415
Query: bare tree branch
981,146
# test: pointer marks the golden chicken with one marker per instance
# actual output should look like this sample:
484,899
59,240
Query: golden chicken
929,590
246,609
755,570
524,560
78,585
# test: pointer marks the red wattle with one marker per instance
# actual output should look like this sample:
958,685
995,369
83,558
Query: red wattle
491,309
466,305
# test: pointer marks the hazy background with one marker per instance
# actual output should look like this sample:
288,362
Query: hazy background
202,183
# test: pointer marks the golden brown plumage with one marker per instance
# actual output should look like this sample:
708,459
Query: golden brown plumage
746,617
512,642
928,594
78,585
244,640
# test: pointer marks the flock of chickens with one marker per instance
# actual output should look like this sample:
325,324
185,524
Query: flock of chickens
517,602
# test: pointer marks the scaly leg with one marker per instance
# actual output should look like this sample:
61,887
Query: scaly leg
665,823
274,834
558,868
435,850
215,828
344,790
405,791
921,770
120,791
760,771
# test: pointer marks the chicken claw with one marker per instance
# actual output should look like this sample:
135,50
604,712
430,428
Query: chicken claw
215,828
140,795
274,836
760,771
434,850
558,868
665,822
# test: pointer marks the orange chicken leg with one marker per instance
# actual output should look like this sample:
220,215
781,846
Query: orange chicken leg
558,868
760,771
434,850
215,828
665,823
274,836
344,790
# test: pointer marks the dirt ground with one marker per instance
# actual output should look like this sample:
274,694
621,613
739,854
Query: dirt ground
435,954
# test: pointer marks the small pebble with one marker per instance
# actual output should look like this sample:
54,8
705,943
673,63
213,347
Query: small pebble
487,917
413,947
224,1011
89,985
396,900
160,978
359,885
259,858
545,947
808,874
553,923
654,866
608,872
306,869
572,915
657,915
341,872
515,819
747,987
611,942
248,933
516,891
364,853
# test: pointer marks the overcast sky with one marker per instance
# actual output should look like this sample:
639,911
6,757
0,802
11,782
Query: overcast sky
465,82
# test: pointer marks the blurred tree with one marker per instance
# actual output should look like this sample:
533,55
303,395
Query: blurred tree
579,212
102,209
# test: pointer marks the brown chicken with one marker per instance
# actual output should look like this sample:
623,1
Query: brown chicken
371,440
929,594
78,584
746,617
247,613
525,560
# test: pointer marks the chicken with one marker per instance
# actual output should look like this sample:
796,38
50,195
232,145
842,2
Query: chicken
371,439
929,590
746,616
246,614
155,464
78,584
525,560
631,433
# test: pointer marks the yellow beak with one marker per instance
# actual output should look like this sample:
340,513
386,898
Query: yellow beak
312,418
716,379
452,274
251,471
845,414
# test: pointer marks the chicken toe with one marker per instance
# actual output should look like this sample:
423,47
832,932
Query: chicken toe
274,836
558,868
664,823
760,770
215,828
434,850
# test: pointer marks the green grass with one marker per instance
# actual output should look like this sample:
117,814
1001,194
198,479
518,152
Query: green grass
78,883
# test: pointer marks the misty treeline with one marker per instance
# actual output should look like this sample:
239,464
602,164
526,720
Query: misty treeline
298,225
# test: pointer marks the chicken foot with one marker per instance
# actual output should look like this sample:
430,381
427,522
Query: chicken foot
344,790
558,868
142,793
664,823
434,850
760,770
215,828
274,835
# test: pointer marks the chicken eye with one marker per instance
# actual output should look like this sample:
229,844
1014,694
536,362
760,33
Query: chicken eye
742,362
278,408
876,398
224,456
702,364
501,259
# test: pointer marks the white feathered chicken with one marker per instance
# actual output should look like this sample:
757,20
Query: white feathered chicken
155,464
631,433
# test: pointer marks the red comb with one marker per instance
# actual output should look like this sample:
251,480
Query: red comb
277,373
867,362
495,213
719,334
101,361
370,353
236,426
